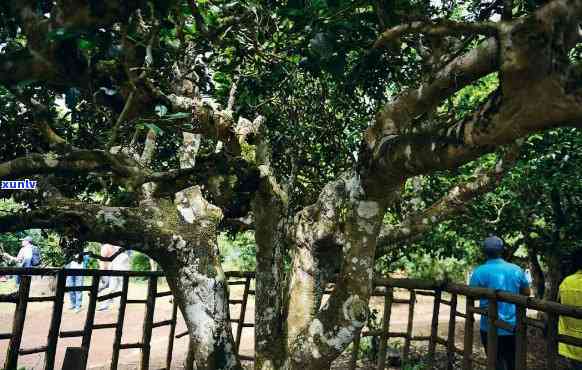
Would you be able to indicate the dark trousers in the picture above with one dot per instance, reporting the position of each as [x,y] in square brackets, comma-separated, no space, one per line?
[505,350]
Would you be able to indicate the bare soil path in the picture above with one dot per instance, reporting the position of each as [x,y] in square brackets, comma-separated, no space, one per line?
[38,318]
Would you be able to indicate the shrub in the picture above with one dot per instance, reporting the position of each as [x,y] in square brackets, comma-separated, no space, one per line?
[238,253]
[140,262]
[434,267]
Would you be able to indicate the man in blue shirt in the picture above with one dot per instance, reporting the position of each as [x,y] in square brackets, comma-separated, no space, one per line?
[498,274]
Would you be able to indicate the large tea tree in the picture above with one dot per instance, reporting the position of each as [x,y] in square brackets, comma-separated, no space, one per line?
[154,153]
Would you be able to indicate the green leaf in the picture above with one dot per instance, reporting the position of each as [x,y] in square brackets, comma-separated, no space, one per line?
[85,44]
[154,128]
[178,115]
[161,110]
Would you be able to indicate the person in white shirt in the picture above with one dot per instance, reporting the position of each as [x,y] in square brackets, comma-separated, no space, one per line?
[75,297]
[24,256]
[119,263]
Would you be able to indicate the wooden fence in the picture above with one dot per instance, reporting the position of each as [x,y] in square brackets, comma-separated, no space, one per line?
[238,278]
[385,288]
[22,297]
[382,287]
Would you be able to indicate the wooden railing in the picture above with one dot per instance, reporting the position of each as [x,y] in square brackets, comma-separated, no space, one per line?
[22,297]
[382,287]
[385,288]
[238,278]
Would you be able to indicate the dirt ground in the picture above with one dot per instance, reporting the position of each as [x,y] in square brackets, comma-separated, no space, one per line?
[38,318]
[536,359]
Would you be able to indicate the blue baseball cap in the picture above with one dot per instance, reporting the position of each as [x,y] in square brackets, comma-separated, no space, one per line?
[493,244]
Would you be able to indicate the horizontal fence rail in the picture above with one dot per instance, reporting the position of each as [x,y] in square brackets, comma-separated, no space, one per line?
[383,287]
[22,297]
[75,272]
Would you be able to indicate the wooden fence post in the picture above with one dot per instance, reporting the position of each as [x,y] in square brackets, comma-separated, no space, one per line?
[120,321]
[148,322]
[172,333]
[243,308]
[388,297]
[411,303]
[75,357]
[18,323]
[492,335]
[451,334]
[434,326]
[520,339]
[53,335]
[552,341]
[468,342]
[88,329]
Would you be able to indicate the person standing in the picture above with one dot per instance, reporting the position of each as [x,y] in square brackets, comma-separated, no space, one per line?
[119,263]
[24,256]
[76,297]
[107,251]
[498,274]
[27,255]
[570,293]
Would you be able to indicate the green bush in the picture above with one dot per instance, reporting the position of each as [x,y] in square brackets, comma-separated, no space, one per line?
[140,262]
[48,243]
[369,346]
[424,266]
[51,252]
[96,249]
[238,253]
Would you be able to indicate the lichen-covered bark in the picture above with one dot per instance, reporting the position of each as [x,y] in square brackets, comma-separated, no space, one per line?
[344,209]
[200,289]
[314,231]
[194,273]
[270,211]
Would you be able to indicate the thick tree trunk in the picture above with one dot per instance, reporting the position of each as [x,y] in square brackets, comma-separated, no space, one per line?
[269,209]
[194,273]
[203,300]
[346,212]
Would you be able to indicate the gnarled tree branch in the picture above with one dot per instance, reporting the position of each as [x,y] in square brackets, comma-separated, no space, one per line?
[545,104]
[397,116]
[439,28]
[74,163]
[452,203]
[91,222]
